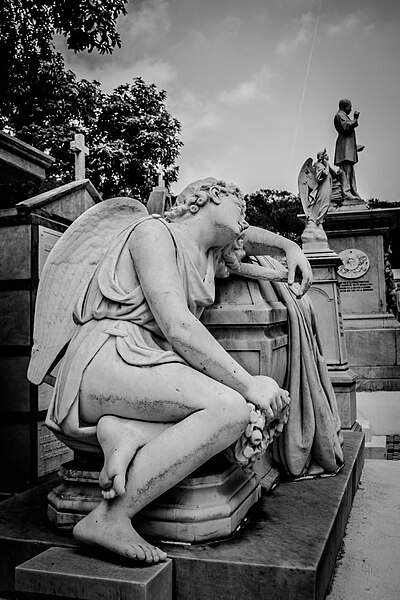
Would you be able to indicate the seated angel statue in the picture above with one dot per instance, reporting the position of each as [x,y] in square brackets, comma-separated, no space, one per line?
[121,294]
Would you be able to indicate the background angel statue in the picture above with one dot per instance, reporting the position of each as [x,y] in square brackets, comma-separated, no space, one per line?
[315,190]
[141,379]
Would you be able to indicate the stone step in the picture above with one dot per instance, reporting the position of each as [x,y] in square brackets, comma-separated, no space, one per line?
[72,573]
[285,550]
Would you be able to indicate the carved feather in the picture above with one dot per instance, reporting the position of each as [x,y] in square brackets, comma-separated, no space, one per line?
[67,271]
[306,183]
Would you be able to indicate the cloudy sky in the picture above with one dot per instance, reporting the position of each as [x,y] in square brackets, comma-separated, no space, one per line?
[255,83]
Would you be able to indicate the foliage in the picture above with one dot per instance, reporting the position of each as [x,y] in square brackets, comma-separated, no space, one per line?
[133,134]
[129,132]
[377,203]
[277,211]
[26,42]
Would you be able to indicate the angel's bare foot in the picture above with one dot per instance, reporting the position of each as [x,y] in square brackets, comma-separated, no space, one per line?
[116,535]
[119,440]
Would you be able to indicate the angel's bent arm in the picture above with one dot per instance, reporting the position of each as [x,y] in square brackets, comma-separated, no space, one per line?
[154,257]
[258,242]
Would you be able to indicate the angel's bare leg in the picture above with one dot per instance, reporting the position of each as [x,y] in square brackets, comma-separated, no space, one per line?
[210,417]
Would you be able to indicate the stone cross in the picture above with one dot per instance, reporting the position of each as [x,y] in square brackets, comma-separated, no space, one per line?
[160,170]
[78,146]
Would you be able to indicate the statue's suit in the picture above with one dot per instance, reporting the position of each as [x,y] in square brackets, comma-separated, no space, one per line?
[346,152]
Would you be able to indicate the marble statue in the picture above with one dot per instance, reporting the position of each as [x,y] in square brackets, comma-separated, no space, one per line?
[346,150]
[315,190]
[142,378]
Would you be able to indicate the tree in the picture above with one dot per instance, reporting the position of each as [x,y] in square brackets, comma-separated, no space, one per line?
[277,211]
[134,133]
[26,41]
[129,132]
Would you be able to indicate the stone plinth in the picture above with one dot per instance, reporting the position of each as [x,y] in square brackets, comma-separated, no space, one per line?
[286,550]
[325,295]
[72,573]
[208,505]
[372,333]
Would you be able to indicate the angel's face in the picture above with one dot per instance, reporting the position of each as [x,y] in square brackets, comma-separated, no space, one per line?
[231,213]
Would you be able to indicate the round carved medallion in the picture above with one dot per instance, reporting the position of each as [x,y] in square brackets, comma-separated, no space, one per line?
[355,263]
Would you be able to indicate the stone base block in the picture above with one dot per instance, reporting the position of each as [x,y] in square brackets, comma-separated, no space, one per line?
[344,385]
[286,550]
[71,573]
[376,448]
[373,344]
[208,505]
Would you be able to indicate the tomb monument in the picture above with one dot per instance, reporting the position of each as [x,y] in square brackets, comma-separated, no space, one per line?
[28,232]
[315,183]
[251,430]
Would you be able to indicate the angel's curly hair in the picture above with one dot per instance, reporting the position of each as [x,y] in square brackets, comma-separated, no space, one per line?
[197,194]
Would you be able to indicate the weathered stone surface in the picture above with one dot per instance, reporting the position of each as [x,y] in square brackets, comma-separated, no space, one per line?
[19,160]
[15,327]
[15,264]
[344,384]
[327,301]
[286,550]
[371,331]
[26,237]
[72,573]
[209,504]
[67,201]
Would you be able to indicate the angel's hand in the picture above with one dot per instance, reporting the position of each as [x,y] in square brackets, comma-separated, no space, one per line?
[233,256]
[296,261]
[265,393]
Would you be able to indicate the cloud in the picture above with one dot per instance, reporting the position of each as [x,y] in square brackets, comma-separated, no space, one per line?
[150,69]
[343,27]
[194,168]
[145,24]
[301,34]
[231,24]
[254,88]
[197,114]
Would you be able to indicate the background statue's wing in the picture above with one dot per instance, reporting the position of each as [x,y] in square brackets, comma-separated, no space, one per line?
[306,182]
[67,271]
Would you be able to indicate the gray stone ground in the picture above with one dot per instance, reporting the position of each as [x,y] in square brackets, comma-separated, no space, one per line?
[369,566]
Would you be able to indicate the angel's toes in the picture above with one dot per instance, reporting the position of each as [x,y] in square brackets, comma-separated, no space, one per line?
[161,555]
[108,494]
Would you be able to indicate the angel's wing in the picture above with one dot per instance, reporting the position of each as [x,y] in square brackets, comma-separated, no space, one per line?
[67,271]
[306,182]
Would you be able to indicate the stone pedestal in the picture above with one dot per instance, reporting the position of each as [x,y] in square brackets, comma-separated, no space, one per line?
[210,504]
[372,333]
[326,298]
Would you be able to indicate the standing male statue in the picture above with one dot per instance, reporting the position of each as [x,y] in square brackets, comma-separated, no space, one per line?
[346,151]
